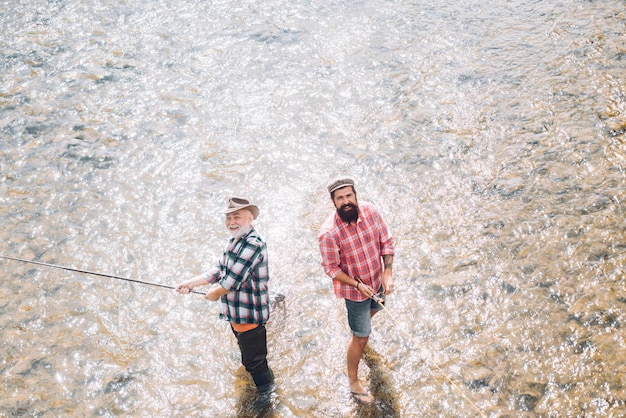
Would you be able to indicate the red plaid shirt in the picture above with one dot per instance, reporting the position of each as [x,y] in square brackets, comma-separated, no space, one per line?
[355,249]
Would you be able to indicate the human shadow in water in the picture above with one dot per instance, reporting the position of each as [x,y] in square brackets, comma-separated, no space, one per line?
[385,404]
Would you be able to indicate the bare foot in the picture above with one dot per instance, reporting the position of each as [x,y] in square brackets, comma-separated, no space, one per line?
[359,393]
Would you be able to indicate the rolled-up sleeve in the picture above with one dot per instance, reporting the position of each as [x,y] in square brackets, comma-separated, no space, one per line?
[387,246]
[329,251]
[242,265]
[213,274]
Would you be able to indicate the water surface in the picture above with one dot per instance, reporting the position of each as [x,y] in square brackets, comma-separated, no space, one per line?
[490,135]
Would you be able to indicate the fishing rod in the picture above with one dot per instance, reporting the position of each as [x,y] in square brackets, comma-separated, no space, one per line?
[93,273]
[377,299]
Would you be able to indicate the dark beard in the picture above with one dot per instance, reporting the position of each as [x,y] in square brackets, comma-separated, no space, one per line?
[348,213]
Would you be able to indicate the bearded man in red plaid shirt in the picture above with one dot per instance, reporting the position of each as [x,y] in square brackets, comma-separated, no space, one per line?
[357,253]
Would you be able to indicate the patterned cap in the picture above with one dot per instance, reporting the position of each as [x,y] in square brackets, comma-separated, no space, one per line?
[338,184]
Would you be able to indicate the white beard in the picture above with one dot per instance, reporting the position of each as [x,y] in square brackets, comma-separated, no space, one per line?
[240,232]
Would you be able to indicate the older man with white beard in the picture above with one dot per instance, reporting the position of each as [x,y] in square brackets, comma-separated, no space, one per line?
[240,281]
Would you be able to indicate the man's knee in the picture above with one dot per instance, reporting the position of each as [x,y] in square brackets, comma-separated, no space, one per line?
[360,341]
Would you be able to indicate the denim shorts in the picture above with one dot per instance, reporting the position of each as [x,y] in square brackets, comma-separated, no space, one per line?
[359,315]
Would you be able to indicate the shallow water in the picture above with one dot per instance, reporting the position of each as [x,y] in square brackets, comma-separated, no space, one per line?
[491,136]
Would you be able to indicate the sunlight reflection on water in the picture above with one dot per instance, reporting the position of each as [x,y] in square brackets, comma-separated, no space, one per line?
[490,136]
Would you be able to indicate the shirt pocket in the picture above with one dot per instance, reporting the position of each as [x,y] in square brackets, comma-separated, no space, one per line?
[368,237]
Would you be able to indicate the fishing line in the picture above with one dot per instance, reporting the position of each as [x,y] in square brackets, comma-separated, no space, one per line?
[56,266]
[376,299]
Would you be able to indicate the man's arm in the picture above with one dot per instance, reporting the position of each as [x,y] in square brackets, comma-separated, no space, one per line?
[388,261]
[215,293]
[330,257]
[365,290]
[388,284]
[188,285]
[247,259]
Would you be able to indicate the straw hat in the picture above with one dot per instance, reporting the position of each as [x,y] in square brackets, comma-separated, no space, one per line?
[237,203]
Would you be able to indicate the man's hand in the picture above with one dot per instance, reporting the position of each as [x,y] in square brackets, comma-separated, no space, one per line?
[188,285]
[388,284]
[215,293]
[366,290]
[185,287]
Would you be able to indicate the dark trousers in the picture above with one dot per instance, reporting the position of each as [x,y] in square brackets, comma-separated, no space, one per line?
[253,346]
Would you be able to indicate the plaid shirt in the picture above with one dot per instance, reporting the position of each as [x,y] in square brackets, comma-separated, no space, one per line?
[355,249]
[243,271]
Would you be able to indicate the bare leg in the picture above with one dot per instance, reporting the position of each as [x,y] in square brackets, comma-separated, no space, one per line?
[355,351]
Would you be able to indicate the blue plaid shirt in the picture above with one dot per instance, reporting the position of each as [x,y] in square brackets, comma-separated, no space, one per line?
[243,271]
